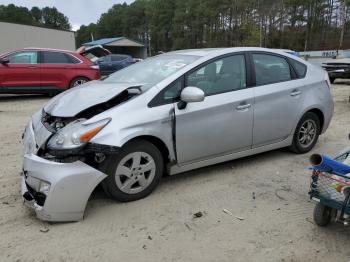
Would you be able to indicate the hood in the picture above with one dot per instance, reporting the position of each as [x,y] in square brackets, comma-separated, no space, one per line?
[73,101]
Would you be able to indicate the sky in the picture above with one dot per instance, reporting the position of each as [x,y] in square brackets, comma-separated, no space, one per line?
[79,12]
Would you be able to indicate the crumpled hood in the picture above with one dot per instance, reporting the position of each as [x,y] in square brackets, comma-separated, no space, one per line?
[75,100]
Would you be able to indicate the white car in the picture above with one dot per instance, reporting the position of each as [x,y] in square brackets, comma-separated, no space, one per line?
[168,114]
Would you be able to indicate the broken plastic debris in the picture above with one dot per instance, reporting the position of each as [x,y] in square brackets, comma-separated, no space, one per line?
[198,214]
[230,213]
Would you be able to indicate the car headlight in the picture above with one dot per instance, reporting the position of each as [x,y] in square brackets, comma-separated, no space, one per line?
[76,134]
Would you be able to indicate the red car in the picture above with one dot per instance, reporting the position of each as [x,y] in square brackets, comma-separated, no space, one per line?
[50,71]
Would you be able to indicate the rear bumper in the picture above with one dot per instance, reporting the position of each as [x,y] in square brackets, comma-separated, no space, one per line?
[71,185]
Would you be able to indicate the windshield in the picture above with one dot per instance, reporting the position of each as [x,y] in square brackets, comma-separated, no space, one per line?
[152,70]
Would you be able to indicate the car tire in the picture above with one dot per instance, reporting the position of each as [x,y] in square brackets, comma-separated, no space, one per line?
[134,173]
[332,79]
[306,133]
[78,81]
[322,215]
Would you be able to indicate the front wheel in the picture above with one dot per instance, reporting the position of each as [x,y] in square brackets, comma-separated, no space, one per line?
[306,134]
[134,173]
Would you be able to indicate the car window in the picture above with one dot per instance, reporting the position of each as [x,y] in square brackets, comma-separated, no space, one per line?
[223,75]
[170,94]
[55,58]
[152,70]
[270,69]
[299,68]
[24,57]
[72,59]
[117,58]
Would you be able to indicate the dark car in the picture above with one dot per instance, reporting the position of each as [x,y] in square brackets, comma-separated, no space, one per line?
[339,68]
[47,71]
[113,62]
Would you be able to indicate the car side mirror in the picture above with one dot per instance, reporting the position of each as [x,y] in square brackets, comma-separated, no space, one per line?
[192,94]
[4,61]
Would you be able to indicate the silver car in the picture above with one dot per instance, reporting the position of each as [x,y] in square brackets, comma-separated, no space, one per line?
[168,114]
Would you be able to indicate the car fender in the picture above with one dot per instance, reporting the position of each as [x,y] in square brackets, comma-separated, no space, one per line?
[322,101]
[132,120]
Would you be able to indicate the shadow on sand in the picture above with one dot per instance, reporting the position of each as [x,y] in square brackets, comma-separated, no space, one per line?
[14,98]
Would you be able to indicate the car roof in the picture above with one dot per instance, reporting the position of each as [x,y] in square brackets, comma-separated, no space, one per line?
[43,49]
[210,51]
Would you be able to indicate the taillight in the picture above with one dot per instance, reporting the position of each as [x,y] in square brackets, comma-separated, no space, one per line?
[96,67]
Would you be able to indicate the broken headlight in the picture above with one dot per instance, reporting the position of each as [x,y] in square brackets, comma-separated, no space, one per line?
[75,134]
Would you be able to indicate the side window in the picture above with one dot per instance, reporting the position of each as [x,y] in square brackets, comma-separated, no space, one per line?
[224,75]
[168,95]
[299,68]
[172,92]
[25,57]
[54,58]
[72,59]
[270,69]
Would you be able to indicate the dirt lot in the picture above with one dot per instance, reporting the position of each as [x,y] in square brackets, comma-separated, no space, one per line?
[277,225]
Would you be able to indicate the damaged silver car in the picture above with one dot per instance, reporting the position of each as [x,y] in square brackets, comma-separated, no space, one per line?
[168,114]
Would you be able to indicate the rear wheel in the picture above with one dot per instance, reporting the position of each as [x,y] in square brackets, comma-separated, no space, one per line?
[322,215]
[306,134]
[332,79]
[78,81]
[134,173]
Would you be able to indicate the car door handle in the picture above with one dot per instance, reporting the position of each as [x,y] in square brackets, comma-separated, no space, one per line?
[243,107]
[295,93]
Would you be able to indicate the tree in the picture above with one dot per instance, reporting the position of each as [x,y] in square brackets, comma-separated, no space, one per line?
[53,18]
[47,16]
[36,14]
[178,24]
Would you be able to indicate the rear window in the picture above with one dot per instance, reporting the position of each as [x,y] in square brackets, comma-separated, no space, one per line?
[55,58]
[299,68]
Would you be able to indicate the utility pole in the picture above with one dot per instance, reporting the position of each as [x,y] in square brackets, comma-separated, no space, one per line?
[261,23]
[343,22]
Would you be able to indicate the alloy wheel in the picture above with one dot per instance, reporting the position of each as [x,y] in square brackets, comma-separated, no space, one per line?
[135,172]
[307,133]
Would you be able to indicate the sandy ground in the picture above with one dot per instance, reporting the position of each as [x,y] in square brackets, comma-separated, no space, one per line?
[277,225]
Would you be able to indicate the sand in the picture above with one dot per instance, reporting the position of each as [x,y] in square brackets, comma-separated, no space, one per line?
[277,225]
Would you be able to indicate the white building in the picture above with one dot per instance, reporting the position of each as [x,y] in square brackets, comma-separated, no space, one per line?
[15,36]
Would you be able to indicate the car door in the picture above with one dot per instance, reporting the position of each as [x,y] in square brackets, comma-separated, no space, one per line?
[223,122]
[21,72]
[56,68]
[106,65]
[278,96]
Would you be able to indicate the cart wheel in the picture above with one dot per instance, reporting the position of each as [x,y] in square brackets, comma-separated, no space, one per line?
[322,215]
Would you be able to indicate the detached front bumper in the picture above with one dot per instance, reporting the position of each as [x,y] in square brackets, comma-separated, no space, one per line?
[70,186]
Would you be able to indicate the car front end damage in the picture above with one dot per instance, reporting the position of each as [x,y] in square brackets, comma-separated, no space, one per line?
[61,165]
